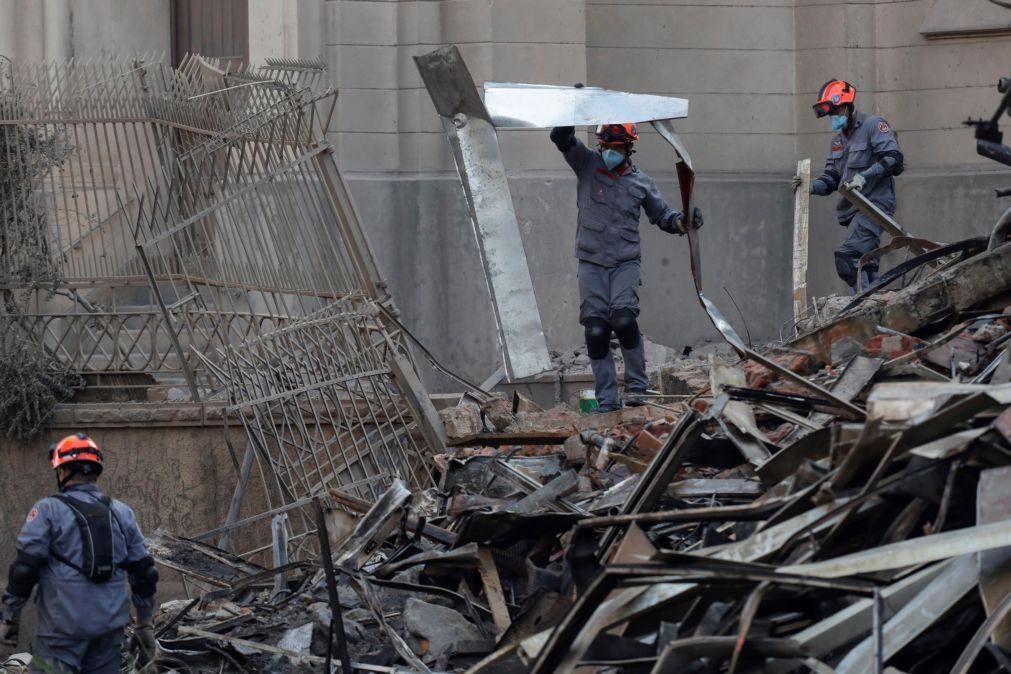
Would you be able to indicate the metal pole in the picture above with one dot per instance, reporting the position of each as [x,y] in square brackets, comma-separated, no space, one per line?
[187,370]
[336,619]
[225,542]
[879,641]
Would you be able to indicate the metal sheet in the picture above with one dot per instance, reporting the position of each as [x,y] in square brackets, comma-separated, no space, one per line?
[541,106]
[855,620]
[993,504]
[957,579]
[911,552]
[686,183]
[738,413]
[479,162]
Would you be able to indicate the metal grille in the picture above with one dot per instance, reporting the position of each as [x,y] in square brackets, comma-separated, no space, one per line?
[212,202]
[320,401]
[76,139]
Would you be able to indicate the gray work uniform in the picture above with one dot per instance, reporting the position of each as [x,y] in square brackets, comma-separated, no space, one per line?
[609,253]
[80,622]
[871,139]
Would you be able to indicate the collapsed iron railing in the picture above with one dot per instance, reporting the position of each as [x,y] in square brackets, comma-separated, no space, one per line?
[75,138]
[199,231]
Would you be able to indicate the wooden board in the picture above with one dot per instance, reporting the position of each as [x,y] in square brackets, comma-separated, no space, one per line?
[801,212]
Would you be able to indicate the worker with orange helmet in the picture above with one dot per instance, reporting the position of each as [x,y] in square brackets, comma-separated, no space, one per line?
[611,191]
[79,547]
[864,155]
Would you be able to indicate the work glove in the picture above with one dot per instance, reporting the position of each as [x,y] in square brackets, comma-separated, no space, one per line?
[675,225]
[144,641]
[9,633]
[681,222]
[697,218]
[795,183]
[857,182]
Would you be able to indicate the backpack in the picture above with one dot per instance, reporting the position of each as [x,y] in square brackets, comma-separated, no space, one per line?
[94,521]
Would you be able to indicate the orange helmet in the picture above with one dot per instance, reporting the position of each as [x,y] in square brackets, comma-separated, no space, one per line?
[833,94]
[75,448]
[617,134]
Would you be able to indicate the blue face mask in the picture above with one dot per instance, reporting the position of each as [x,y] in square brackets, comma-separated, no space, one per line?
[612,158]
[839,122]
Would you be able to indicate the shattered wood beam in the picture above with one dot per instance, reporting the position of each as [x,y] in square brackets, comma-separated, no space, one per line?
[801,211]
[479,161]
[493,590]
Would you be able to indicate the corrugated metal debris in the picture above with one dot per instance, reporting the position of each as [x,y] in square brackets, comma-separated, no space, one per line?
[837,503]
[752,528]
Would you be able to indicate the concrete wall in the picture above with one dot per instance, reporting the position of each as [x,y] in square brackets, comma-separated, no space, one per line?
[750,69]
[391,144]
[167,462]
[925,87]
[61,29]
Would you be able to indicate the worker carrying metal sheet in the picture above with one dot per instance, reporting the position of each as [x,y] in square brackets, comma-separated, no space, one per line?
[80,547]
[864,155]
[611,191]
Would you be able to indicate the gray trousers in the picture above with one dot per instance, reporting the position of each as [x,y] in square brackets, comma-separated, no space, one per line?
[602,290]
[100,655]
[862,236]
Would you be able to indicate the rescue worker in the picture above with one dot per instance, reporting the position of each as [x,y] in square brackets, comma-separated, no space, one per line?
[80,547]
[611,190]
[864,155]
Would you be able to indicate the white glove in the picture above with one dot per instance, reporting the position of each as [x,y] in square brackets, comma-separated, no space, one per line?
[857,182]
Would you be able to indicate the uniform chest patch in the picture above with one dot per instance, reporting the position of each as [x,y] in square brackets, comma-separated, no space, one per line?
[33,514]
[883,127]
[837,146]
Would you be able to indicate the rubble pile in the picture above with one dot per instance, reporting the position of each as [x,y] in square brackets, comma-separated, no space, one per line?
[841,506]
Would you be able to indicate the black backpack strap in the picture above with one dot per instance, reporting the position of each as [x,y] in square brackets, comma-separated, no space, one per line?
[94,522]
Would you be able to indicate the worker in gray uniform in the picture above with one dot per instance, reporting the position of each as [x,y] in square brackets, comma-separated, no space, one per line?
[611,191]
[80,547]
[865,156]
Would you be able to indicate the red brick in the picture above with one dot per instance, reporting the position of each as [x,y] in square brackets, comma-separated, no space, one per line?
[892,346]
[701,405]
[780,433]
[647,441]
